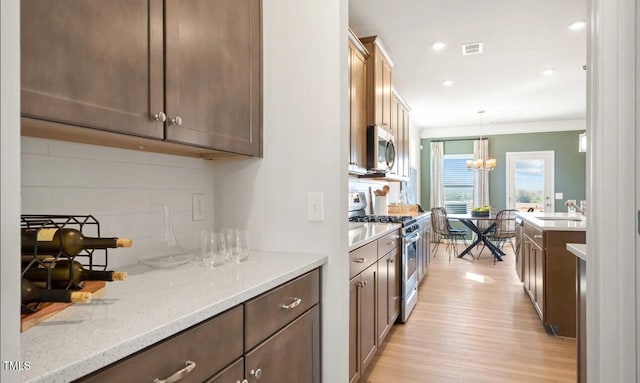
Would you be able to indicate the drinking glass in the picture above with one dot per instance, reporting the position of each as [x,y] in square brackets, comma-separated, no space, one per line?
[212,248]
[237,244]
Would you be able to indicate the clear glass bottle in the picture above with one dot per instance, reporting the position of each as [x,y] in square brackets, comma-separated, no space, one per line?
[166,249]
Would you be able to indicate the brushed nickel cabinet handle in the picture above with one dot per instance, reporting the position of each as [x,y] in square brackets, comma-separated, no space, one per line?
[256,373]
[243,381]
[537,236]
[189,366]
[360,260]
[296,302]
[160,117]
[177,121]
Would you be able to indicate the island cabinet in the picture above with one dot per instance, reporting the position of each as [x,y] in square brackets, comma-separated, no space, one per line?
[549,275]
[374,300]
[159,72]
[423,258]
[358,56]
[274,337]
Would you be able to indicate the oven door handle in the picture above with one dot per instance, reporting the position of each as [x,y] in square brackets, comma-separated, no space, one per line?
[411,239]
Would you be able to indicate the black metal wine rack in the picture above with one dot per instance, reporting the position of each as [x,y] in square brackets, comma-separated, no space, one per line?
[91,259]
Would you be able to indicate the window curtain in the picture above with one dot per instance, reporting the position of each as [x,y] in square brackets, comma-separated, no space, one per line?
[437,187]
[481,177]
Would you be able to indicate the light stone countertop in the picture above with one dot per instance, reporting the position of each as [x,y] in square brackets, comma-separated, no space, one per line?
[362,233]
[579,249]
[556,221]
[151,305]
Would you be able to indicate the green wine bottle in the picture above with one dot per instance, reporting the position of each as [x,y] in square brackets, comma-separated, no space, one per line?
[69,242]
[32,293]
[63,272]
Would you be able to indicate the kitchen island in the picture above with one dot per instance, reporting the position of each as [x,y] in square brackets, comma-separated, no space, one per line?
[150,306]
[549,269]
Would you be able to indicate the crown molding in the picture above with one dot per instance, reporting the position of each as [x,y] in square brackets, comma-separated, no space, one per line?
[495,129]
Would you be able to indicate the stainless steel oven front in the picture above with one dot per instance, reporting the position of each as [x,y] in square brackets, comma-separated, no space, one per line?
[409,274]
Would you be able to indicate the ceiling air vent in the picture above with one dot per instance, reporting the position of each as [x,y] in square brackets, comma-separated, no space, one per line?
[471,49]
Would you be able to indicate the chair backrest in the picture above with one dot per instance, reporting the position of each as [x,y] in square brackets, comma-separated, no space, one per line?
[506,223]
[439,221]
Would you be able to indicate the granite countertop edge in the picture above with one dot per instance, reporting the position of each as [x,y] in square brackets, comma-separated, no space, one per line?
[578,249]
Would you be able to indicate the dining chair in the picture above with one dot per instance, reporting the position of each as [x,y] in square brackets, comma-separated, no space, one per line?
[505,229]
[441,226]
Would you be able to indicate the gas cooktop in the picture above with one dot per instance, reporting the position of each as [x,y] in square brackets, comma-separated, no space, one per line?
[381,218]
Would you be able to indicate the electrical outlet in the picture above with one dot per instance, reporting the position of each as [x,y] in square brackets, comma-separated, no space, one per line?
[197,206]
[559,196]
[315,206]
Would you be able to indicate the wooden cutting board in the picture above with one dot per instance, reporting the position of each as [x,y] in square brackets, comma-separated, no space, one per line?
[47,310]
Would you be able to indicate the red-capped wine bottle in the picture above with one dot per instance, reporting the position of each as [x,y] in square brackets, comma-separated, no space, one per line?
[64,272]
[32,293]
[52,241]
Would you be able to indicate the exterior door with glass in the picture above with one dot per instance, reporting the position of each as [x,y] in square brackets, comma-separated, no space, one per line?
[530,181]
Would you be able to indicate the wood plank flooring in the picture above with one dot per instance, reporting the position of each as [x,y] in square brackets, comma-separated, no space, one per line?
[473,323]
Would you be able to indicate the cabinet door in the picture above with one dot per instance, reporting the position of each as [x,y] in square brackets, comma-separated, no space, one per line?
[291,355]
[405,144]
[96,64]
[214,75]
[354,335]
[386,91]
[233,373]
[358,99]
[393,127]
[383,293]
[393,279]
[538,253]
[368,333]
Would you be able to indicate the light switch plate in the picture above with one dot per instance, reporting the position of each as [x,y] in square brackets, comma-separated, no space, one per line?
[315,206]
[197,206]
[559,196]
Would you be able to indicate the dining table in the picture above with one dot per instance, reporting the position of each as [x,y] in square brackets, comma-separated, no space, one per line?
[481,235]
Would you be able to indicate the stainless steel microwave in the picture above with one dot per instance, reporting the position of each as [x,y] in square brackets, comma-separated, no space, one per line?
[381,149]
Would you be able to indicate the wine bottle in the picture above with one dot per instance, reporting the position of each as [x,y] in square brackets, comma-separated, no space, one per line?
[63,272]
[32,293]
[51,241]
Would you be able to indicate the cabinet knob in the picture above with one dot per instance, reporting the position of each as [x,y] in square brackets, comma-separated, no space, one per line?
[160,116]
[256,373]
[243,381]
[177,121]
[391,260]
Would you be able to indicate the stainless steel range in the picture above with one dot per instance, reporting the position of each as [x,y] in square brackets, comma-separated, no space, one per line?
[409,236]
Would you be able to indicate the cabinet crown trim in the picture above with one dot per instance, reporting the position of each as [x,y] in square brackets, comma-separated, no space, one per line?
[358,44]
[375,40]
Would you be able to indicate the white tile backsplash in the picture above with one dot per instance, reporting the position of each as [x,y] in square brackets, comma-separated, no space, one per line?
[46,170]
[123,189]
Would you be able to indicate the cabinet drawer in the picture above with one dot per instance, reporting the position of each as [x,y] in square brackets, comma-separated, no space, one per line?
[361,258]
[211,345]
[387,243]
[534,234]
[233,373]
[271,311]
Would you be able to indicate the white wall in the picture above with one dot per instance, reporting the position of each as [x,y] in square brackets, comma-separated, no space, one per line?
[515,128]
[305,150]
[123,189]
[9,184]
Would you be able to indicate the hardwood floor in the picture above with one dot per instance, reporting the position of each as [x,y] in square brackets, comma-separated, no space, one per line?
[473,323]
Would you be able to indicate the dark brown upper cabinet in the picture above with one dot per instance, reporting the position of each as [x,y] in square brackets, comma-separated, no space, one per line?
[162,72]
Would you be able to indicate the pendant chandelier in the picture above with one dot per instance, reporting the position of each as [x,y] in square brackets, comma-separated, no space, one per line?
[481,164]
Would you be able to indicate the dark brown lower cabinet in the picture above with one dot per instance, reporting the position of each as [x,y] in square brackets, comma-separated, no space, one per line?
[549,275]
[291,355]
[363,336]
[211,345]
[290,351]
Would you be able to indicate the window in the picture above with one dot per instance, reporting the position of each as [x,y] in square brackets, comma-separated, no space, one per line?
[458,183]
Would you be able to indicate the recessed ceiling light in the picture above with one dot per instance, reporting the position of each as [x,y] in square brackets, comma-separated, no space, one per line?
[576,25]
[447,83]
[548,72]
[438,46]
